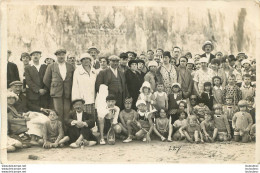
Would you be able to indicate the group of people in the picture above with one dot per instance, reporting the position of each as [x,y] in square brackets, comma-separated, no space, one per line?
[205,98]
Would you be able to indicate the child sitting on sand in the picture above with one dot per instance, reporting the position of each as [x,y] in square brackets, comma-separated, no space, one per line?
[127,117]
[53,134]
[162,127]
[242,122]
[208,127]
[144,121]
[221,123]
[192,131]
[200,109]
[182,121]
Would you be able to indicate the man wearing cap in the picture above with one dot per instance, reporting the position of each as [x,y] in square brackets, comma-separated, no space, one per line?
[241,56]
[208,48]
[22,105]
[37,91]
[123,62]
[93,51]
[83,86]
[12,70]
[114,79]
[79,125]
[131,55]
[58,79]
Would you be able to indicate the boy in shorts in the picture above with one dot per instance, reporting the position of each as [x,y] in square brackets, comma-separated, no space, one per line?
[109,117]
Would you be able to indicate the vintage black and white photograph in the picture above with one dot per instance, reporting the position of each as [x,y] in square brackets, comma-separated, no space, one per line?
[129,81]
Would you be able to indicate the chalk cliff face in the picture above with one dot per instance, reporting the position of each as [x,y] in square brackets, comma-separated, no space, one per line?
[117,29]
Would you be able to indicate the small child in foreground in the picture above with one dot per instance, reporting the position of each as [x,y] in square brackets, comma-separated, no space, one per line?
[192,131]
[242,122]
[182,121]
[208,127]
[53,134]
[127,116]
[221,123]
[162,127]
[201,109]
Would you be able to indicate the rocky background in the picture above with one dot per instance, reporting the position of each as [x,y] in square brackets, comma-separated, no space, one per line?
[115,29]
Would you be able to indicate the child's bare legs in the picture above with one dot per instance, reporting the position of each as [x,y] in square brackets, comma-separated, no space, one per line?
[188,137]
[215,133]
[124,130]
[117,128]
[11,148]
[63,140]
[170,133]
[140,134]
[196,136]
[245,137]
[129,128]
[176,136]
[101,122]
[158,134]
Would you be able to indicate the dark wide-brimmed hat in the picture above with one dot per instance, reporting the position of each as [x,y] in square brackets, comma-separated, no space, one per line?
[135,55]
[140,61]
[131,62]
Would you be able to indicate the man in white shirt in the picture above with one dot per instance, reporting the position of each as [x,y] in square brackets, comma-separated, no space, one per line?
[79,126]
[58,79]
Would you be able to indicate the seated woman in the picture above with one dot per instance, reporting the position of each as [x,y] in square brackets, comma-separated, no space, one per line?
[30,122]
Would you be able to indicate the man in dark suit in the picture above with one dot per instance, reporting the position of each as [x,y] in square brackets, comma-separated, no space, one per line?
[36,92]
[22,105]
[115,80]
[79,126]
[208,48]
[58,79]
[93,51]
[12,70]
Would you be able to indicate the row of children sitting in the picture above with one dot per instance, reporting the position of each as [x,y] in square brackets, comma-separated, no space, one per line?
[153,108]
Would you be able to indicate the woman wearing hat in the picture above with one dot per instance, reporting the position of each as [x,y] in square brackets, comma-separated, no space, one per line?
[132,81]
[184,77]
[25,58]
[83,86]
[150,76]
[166,73]
[208,48]
[201,76]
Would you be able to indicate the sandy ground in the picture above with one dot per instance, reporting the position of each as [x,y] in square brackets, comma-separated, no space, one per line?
[140,152]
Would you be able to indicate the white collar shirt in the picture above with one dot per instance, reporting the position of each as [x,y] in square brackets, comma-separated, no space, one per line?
[63,70]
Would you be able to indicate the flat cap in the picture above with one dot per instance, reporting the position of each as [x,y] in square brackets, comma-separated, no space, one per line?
[35,52]
[17,82]
[93,48]
[78,100]
[60,51]
[114,57]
